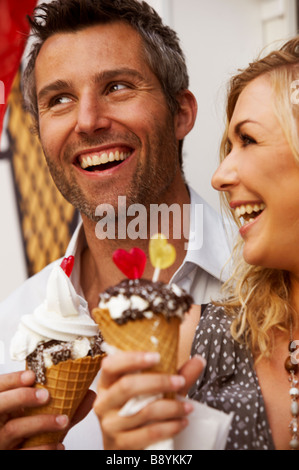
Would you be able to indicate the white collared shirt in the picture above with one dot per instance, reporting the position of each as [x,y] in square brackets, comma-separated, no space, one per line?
[201,274]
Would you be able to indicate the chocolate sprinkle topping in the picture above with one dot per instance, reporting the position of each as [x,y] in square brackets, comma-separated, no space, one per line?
[59,351]
[161,298]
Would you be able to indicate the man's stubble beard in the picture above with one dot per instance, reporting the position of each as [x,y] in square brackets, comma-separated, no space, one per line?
[150,182]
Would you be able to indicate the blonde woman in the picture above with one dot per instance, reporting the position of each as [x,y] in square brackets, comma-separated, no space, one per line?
[245,339]
[249,339]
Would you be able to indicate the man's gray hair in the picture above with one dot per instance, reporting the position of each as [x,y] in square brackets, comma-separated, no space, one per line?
[161,44]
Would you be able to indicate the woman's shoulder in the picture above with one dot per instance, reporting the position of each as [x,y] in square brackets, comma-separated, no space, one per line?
[215,318]
[213,339]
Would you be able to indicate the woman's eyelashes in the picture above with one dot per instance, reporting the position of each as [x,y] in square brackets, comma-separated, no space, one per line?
[246,140]
[243,138]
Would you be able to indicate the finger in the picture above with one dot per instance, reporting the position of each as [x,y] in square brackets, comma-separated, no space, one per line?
[191,370]
[130,386]
[16,379]
[58,446]
[162,410]
[143,437]
[16,430]
[84,407]
[17,399]
[159,410]
[125,362]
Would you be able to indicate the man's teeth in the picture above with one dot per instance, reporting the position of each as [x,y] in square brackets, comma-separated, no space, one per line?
[246,210]
[94,160]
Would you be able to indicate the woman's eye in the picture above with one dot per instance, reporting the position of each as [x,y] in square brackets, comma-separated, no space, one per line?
[247,140]
[228,147]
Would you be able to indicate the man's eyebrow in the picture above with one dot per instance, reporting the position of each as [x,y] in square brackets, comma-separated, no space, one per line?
[115,73]
[58,85]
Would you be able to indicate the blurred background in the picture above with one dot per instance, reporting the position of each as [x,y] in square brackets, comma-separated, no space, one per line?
[218,38]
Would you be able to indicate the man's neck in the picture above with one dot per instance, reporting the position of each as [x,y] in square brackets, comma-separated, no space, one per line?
[98,272]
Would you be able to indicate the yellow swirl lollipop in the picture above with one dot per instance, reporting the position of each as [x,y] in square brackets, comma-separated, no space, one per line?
[162,254]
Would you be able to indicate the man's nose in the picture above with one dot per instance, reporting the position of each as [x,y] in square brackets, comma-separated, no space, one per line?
[226,175]
[91,114]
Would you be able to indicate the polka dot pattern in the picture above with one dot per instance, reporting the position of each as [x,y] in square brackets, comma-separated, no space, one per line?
[229,382]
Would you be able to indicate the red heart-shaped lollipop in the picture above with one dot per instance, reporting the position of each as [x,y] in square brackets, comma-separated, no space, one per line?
[131,263]
[67,265]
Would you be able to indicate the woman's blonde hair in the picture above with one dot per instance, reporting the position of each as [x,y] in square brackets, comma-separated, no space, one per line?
[258,297]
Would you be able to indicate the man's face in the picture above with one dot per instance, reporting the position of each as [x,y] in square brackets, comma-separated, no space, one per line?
[104,123]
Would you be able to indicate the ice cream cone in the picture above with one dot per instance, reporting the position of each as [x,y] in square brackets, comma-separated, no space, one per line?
[67,383]
[156,334]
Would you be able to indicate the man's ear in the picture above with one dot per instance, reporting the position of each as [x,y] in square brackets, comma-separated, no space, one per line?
[186,114]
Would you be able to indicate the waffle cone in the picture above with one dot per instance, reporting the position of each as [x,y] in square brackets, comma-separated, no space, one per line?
[67,383]
[156,334]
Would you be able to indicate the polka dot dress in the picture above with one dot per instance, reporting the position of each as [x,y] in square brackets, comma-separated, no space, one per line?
[229,382]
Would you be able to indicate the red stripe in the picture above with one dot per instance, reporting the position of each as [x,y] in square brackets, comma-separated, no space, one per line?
[14,30]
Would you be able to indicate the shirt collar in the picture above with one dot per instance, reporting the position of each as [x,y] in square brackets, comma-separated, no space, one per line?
[75,248]
[209,245]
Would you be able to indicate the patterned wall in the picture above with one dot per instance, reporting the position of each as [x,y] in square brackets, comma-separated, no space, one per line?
[47,220]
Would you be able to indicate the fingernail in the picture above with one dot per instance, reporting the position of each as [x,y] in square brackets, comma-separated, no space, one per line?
[184,422]
[201,359]
[27,377]
[178,381]
[42,395]
[152,357]
[188,407]
[62,420]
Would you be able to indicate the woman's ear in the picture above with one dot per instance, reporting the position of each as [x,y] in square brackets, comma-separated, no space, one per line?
[186,114]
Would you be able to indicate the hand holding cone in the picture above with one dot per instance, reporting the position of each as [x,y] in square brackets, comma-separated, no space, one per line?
[67,383]
[67,380]
[148,329]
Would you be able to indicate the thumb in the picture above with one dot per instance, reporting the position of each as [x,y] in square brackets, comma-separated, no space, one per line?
[191,370]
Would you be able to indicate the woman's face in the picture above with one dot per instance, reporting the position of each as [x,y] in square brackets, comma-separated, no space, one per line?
[262,180]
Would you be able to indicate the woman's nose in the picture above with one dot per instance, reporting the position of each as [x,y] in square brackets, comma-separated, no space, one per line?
[226,175]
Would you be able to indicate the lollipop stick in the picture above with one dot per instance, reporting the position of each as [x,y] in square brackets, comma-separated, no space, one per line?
[156,274]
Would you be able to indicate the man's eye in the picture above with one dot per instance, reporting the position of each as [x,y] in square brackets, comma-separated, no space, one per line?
[117,87]
[60,100]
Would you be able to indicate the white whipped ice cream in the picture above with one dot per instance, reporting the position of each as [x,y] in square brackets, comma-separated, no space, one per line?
[118,304]
[63,316]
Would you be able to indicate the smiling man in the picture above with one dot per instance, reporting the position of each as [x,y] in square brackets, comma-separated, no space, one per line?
[107,85]
[110,119]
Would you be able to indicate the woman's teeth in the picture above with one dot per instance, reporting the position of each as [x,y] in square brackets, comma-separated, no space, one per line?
[249,211]
[88,161]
